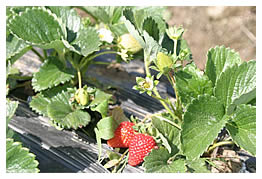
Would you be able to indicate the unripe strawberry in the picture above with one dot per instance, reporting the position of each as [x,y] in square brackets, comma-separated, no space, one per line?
[140,146]
[82,96]
[129,43]
[123,135]
[163,61]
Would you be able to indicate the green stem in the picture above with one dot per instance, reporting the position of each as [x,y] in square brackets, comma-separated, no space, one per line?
[119,160]
[175,46]
[45,53]
[171,105]
[17,77]
[164,104]
[101,63]
[149,116]
[79,78]
[159,98]
[170,122]
[157,95]
[85,60]
[220,144]
[38,54]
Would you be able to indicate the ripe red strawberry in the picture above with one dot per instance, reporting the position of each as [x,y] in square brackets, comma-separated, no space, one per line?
[123,135]
[140,146]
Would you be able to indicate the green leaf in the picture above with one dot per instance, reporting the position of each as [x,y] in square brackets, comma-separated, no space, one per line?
[151,46]
[100,97]
[107,127]
[15,48]
[102,108]
[111,163]
[11,107]
[70,19]
[115,13]
[158,162]
[86,42]
[40,101]
[151,27]
[202,122]
[37,26]
[51,73]
[118,115]
[170,132]
[39,104]
[242,127]
[182,45]
[99,13]
[237,85]
[118,29]
[19,159]
[138,15]
[218,59]
[198,166]
[61,111]
[133,31]
[99,143]
[191,82]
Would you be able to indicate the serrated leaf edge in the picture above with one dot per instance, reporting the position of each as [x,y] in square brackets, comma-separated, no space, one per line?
[224,71]
[192,101]
[220,47]
[38,89]
[36,110]
[44,10]
[20,148]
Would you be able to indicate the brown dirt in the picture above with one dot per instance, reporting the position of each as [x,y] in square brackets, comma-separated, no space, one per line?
[208,26]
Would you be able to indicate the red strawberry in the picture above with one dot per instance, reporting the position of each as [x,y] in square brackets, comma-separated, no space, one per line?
[123,135]
[140,146]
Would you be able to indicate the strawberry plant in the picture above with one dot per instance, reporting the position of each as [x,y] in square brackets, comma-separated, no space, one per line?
[69,44]
[208,109]
[220,98]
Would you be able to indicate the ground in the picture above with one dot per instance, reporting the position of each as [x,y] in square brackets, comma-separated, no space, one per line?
[206,27]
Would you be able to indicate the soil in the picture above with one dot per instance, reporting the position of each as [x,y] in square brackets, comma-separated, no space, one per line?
[208,26]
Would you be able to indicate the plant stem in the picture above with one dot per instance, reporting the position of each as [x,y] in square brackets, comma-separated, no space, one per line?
[170,122]
[85,60]
[146,61]
[175,46]
[101,63]
[45,53]
[173,82]
[119,160]
[38,54]
[17,77]
[79,78]
[158,98]
[149,116]
[157,95]
[220,144]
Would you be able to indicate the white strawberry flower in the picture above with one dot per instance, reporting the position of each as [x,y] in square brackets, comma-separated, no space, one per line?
[148,84]
[105,35]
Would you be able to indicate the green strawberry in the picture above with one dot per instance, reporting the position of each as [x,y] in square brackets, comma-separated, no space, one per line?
[82,96]
[140,146]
